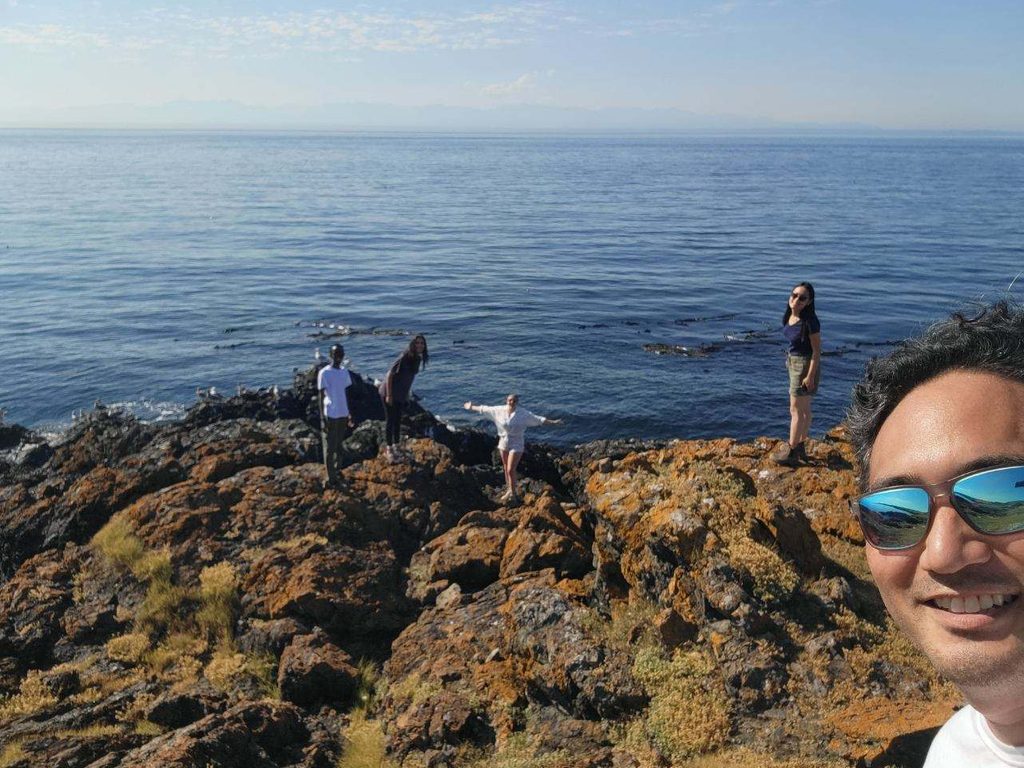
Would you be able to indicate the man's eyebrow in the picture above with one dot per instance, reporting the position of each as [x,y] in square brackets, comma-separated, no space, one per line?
[982,462]
[893,481]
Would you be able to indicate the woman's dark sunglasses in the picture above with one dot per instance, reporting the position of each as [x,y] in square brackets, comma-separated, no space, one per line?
[800,296]
[991,501]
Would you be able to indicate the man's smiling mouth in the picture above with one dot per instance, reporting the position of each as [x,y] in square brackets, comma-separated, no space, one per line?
[973,603]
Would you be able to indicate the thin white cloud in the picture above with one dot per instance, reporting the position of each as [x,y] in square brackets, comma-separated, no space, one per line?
[49,36]
[514,87]
[315,31]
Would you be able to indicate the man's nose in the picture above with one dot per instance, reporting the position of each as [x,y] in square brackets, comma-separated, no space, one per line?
[951,543]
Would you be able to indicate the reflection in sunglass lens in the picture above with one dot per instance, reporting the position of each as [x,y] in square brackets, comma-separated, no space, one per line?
[895,518]
[993,501]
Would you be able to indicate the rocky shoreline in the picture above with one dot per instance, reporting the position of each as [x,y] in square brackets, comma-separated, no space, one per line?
[186,594]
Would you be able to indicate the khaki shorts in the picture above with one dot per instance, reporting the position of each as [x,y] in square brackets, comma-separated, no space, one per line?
[798,367]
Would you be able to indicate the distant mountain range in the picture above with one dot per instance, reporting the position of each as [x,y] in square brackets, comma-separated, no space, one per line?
[230,114]
[367,116]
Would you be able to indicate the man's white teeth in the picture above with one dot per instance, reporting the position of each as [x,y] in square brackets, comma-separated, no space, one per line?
[972,603]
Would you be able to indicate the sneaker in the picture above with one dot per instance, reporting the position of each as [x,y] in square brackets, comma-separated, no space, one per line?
[507,495]
[800,452]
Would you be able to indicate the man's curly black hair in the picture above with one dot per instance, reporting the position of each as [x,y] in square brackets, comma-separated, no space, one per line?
[990,340]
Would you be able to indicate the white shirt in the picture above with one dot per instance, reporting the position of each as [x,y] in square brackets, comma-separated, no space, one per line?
[511,427]
[333,382]
[966,741]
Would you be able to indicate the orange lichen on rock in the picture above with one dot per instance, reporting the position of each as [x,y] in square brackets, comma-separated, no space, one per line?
[646,604]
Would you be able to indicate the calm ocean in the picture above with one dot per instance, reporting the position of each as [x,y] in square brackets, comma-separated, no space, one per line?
[138,266]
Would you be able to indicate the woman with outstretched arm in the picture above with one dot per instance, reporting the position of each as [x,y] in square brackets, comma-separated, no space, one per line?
[512,423]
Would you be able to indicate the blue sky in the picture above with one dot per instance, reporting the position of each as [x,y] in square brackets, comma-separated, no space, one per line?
[908,65]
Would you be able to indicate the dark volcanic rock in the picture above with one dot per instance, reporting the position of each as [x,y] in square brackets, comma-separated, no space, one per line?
[11,435]
[249,735]
[645,603]
[314,670]
[176,710]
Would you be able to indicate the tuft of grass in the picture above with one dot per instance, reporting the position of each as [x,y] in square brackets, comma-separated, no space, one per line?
[32,697]
[117,542]
[162,608]
[224,668]
[148,728]
[365,743]
[154,566]
[263,667]
[368,686]
[130,648]
[690,712]
[12,754]
[218,597]
[89,733]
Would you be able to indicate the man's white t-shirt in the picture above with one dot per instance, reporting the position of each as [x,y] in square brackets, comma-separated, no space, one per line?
[333,381]
[966,740]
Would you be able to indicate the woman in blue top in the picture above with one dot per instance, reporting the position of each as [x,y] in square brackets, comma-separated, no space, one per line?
[802,330]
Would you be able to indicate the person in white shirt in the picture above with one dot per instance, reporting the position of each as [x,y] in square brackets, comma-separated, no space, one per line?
[332,384]
[938,426]
[512,423]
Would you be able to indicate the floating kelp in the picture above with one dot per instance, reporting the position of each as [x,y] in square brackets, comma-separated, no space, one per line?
[708,319]
[702,350]
[337,330]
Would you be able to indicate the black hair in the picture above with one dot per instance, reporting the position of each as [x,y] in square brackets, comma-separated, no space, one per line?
[991,340]
[410,352]
[807,313]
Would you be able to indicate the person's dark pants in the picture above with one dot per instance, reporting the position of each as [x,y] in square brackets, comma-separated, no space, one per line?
[337,431]
[393,425]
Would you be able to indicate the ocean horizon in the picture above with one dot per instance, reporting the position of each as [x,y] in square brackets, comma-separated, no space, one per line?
[138,266]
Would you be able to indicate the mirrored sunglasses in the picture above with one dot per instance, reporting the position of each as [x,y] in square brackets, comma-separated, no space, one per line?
[991,501]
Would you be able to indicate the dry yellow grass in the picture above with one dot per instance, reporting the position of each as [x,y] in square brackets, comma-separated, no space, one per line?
[32,697]
[163,608]
[154,566]
[89,733]
[130,648]
[12,754]
[364,743]
[146,728]
[218,596]
[117,542]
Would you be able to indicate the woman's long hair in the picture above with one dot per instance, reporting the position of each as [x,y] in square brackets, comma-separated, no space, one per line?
[410,352]
[806,314]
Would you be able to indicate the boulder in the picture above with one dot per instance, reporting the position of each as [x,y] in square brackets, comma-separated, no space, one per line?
[314,670]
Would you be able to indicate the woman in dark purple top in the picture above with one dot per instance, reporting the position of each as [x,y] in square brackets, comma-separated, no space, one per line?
[801,329]
[396,389]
